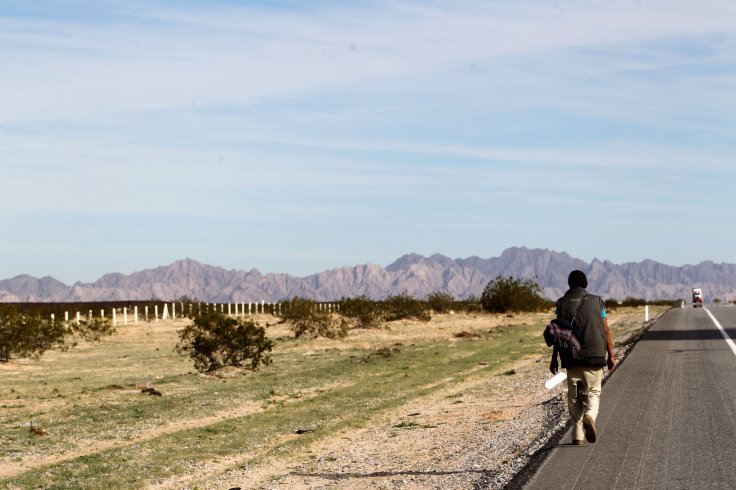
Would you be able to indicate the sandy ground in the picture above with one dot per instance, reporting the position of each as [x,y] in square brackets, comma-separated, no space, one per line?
[459,437]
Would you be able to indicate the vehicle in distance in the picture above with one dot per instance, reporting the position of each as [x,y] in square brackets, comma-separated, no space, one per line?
[697,298]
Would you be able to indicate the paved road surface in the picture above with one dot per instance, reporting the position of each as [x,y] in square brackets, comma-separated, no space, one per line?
[668,415]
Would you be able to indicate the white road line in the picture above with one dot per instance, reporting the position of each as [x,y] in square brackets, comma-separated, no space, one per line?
[723,331]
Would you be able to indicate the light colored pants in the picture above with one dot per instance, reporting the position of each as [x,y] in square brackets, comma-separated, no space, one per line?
[583,395]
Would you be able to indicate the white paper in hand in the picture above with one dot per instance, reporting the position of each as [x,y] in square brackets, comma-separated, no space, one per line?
[555,380]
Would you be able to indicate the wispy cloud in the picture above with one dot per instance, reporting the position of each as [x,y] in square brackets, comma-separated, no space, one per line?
[360,120]
[161,58]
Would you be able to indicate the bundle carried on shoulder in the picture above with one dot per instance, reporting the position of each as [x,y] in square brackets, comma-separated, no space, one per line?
[563,334]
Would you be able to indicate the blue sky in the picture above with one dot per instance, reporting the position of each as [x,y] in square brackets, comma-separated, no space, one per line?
[302,136]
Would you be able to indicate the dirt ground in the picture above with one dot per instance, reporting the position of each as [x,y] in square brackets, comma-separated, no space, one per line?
[452,438]
[454,445]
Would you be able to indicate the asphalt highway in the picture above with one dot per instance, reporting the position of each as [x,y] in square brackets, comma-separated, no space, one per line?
[667,416]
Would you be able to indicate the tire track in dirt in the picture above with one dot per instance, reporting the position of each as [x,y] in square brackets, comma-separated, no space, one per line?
[279,465]
[9,470]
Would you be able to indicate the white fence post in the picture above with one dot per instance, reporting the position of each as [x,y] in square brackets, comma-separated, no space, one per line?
[155,312]
[165,314]
[78,317]
[135,315]
[66,316]
[173,311]
[646,313]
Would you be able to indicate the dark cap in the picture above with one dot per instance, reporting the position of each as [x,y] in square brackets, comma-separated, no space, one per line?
[577,279]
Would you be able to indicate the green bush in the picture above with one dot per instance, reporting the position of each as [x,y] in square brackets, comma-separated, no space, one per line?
[187,307]
[296,309]
[508,294]
[91,330]
[405,306]
[214,340]
[30,335]
[321,325]
[441,302]
[471,304]
[365,312]
[611,304]
[634,302]
[27,335]
[668,302]
[306,319]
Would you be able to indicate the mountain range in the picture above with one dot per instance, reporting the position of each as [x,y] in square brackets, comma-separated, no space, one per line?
[413,274]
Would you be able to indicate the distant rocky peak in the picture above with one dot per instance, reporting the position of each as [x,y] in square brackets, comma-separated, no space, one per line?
[405,262]
[412,273]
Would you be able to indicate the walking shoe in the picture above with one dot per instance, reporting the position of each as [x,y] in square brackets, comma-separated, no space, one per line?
[577,442]
[589,428]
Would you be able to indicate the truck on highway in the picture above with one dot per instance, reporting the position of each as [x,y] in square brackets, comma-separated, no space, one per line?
[697,298]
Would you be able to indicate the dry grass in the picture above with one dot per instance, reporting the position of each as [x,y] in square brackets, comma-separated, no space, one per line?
[93,428]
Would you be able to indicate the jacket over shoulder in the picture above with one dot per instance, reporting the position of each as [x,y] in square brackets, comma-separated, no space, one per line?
[589,321]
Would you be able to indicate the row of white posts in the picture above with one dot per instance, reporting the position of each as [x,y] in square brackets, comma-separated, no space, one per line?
[233,309]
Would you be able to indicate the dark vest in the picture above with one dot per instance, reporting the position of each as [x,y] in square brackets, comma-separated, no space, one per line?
[589,320]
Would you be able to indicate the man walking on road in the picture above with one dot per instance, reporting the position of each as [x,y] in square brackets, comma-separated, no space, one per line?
[585,372]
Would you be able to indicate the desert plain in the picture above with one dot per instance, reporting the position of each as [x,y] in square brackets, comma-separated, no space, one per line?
[456,402]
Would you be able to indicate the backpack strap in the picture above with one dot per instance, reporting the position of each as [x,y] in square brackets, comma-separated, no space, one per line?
[572,322]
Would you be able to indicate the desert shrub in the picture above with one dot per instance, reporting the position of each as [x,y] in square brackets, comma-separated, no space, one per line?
[508,294]
[321,324]
[91,330]
[634,302]
[405,306]
[304,318]
[611,304]
[27,335]
[441,302]
[187,307]
[365,312]
[30,335]
[296,309]
[471,304]
[214,340]
[667,302]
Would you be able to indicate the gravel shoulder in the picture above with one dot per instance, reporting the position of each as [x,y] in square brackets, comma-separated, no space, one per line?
[476,424]
[476,434]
